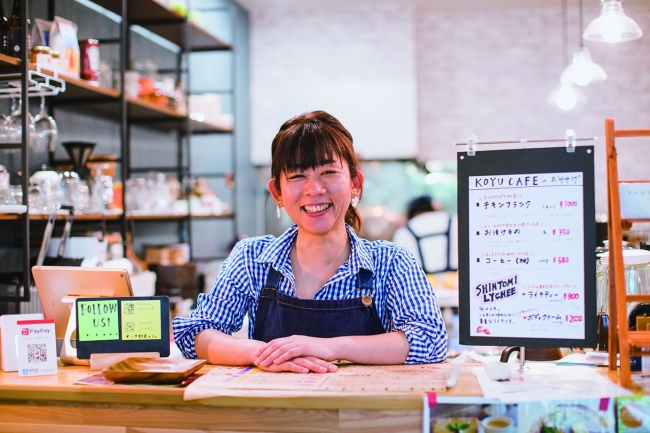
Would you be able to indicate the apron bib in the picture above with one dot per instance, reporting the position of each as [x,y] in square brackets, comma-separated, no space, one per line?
[279,315]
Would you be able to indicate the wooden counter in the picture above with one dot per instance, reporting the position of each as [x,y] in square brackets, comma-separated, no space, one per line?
[54,404]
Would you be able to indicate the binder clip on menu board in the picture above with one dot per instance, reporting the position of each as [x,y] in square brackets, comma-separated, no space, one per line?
[570,136]
[471,145]
[570,139]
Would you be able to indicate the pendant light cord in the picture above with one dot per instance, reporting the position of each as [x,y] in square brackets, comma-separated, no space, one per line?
[565,38]
[580,29]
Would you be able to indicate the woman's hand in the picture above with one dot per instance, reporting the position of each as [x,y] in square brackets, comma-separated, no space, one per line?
[282,350]
[301,365]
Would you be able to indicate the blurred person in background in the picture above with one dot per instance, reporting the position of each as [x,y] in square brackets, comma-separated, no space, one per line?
[431,235]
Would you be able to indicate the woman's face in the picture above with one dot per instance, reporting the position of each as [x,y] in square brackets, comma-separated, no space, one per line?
[317,199]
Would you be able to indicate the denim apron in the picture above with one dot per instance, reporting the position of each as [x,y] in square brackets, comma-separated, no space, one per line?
[279,315]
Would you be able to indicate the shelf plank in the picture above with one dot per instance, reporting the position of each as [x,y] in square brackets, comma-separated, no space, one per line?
[139,109]
[77,217]
[213,216]
[639,338]
[638,298]
[76,88]
[167,23]
[6,61]
[115,217]
[206,127]
[167,217]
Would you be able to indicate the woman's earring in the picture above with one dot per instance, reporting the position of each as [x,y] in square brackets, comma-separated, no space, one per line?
[355,201]
[277,211]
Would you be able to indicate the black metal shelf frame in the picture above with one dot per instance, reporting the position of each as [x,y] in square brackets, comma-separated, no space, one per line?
[190,39]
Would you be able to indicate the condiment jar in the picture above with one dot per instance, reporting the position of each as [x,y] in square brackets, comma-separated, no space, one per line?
[42,57]
[636,265]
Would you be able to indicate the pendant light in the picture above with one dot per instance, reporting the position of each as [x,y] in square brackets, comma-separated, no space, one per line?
[582,70]
[612,25]
[565,96]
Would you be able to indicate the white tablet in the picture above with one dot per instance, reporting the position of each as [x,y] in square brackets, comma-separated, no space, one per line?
[55,282]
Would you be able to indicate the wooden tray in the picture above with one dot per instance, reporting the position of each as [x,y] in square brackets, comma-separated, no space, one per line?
[152,370]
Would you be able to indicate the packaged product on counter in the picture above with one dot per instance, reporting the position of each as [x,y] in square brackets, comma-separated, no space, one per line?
[89,53]
[41,32]
[63,38]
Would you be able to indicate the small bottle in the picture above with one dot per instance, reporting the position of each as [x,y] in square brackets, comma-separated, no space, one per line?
[3,30]
[15,31]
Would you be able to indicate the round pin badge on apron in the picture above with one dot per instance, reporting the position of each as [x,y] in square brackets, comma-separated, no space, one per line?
[366,300]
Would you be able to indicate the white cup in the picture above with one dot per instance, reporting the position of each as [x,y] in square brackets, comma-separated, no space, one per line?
[498,424]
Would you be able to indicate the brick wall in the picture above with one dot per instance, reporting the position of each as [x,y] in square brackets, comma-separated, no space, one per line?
[490,72]
[487,72]
[355,60]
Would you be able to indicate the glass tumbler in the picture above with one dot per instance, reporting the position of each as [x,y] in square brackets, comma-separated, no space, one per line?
[16,194]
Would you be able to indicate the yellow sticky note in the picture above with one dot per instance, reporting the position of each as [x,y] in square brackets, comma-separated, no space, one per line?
[141,320]
[97,320]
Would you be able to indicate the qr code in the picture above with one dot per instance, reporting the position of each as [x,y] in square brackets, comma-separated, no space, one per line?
[36,353]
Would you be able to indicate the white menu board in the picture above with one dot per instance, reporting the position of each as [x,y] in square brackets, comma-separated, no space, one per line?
[526,255]
[527,239]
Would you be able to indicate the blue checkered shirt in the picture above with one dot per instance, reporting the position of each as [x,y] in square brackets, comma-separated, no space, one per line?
[403,296]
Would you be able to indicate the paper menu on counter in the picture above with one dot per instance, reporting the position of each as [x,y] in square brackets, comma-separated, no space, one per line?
[548,381]
[349,379]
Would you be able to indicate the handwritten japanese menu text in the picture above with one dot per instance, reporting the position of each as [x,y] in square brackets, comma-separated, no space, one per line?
[526,239]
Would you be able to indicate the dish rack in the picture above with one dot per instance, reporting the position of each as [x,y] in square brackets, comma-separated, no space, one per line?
[40,84]
[621,339]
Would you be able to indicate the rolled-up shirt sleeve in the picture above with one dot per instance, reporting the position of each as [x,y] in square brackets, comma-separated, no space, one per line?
[222,309]
[414,310]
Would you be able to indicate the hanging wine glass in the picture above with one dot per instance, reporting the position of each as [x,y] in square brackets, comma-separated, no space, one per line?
[7,132]
[15,124]
[46,129]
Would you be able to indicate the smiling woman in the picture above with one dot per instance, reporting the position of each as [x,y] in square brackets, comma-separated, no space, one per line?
[318,293]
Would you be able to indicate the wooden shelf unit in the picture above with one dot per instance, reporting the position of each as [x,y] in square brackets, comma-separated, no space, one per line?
[168,24]
[79,94]
[621,339]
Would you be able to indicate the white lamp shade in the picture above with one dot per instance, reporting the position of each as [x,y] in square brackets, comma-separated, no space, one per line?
[566,97]
[612,25]
[582,70]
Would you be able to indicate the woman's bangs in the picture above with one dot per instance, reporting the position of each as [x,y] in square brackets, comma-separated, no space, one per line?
[308,152]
